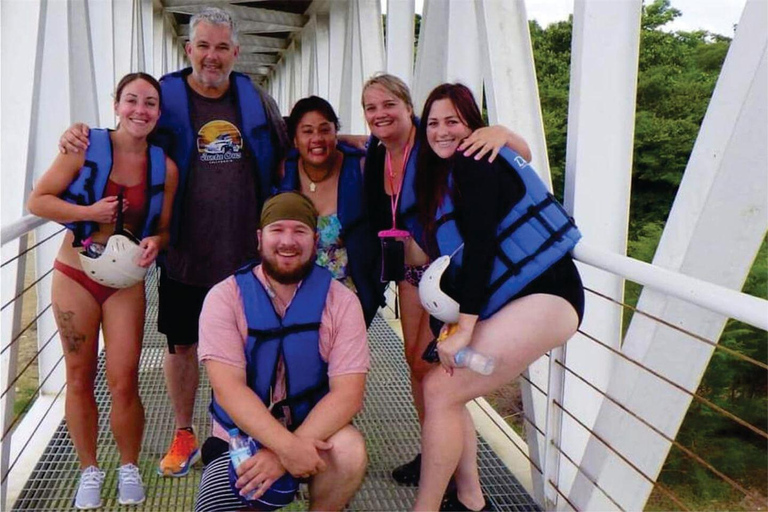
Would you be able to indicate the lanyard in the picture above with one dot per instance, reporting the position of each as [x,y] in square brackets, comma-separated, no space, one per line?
[395,197]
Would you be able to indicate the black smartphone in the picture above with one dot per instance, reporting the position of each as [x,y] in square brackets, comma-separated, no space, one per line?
[392,260]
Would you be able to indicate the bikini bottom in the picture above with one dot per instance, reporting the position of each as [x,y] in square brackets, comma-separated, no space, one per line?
[99,292]
[413,273]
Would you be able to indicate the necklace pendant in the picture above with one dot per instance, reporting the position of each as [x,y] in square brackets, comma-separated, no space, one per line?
[312,186]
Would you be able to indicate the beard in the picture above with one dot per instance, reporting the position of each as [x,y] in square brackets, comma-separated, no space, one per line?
[287,276]
[208,81]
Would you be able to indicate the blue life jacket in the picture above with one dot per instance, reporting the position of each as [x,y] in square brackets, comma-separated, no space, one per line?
[176,135]
[408,205]
[536,233]
[89,186]
[296,337]
[359,239]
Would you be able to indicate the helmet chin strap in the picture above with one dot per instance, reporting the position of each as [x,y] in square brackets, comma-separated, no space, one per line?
[119,230]
[456,251]
[120,220]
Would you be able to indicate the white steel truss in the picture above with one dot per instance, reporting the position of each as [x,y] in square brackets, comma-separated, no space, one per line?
[62,58]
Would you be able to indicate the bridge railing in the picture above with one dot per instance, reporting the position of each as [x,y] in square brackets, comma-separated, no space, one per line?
[563,471]
[30,351]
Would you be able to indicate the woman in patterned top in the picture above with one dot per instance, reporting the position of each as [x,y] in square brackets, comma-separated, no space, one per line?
[330,174]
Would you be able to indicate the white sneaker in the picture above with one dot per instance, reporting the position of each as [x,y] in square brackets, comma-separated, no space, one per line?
[130,488]
[89,491]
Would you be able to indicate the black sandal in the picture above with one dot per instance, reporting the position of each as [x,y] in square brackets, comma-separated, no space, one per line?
[451,503]
[409,473]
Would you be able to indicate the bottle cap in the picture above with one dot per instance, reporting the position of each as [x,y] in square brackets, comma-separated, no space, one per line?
[233,432]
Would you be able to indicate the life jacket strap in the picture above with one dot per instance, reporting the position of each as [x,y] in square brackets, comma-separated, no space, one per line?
[513,269]
[157,188]
[445,218]
[280,332]
[531,212]
[309,395]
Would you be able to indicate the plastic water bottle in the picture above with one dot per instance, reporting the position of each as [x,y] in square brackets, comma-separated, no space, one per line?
[240,450]
[94,250]
[468,358]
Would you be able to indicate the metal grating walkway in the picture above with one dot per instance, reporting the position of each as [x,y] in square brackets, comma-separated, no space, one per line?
[388,423]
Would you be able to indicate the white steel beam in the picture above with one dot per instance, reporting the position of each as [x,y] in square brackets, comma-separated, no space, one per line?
[307,48]
[102,38]
[338,26]
[286,21]
[513,101]
[351,65]
[170,46]
[283,69]
[257,58]
[145,10]
[251,27]
[509,74]
[400,39]
[322,59]
[122,34]
[605,49]
[253,69]
[261,43]
[449,50]
[717,223]
[219,3]
[20,26]
[296,73]
[138,62]
[310,46]
[363,57]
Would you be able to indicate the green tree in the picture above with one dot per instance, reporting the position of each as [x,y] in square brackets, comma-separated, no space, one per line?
[677,74]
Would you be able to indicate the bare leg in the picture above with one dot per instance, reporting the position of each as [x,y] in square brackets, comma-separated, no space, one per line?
[336,486]
[182,376]
[123,328]
[78,317]
[416,337]
[517,335]
[467,476]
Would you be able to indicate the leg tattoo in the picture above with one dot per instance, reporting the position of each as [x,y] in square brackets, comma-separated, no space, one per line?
[69,335]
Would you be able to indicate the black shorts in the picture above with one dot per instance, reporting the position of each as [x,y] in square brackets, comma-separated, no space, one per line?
[561,279]
[179,309]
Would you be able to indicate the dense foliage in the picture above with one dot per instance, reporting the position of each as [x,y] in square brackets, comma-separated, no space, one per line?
[677,74]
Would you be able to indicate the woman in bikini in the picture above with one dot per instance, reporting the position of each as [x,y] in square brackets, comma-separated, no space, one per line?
[81,191]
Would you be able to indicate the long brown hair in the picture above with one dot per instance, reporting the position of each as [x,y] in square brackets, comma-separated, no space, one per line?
[432,171]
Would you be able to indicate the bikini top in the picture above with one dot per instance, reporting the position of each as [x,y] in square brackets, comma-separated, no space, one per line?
[136,195]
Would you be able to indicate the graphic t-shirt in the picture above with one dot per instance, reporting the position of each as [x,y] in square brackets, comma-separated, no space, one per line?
[220,210]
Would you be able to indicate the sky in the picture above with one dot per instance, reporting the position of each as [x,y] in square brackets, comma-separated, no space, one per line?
[718,16]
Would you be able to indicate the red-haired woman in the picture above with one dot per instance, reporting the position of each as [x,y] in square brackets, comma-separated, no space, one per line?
[518,290]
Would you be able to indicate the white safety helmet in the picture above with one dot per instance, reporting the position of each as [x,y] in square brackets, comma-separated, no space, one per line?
[433,298]
[116,267]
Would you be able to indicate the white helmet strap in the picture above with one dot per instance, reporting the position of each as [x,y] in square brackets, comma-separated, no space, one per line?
[456,250]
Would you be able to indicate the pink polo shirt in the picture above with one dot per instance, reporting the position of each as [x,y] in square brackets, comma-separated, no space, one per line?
[224,333]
